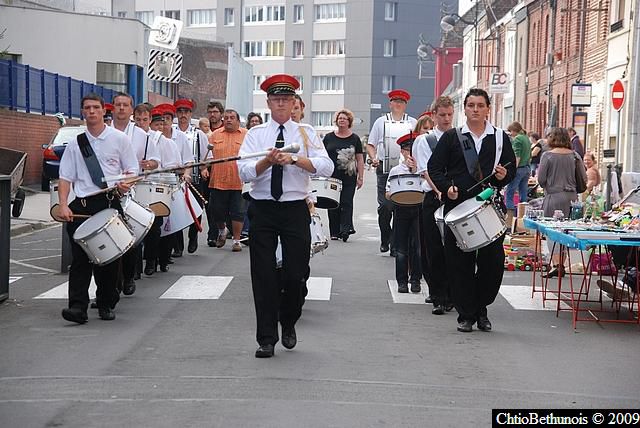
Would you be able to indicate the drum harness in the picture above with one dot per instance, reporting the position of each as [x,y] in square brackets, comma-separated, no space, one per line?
[387,150]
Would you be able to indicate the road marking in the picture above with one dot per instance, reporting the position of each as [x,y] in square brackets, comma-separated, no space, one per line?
[39,258]
[195,287]
[410,298]
[62,291]
[14,279]
[319,288]
[32,266]
[519,297]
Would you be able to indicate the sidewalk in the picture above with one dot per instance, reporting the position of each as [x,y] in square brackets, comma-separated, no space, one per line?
[35,214]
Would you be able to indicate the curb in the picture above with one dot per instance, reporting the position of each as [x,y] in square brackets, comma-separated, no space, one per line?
[21,229]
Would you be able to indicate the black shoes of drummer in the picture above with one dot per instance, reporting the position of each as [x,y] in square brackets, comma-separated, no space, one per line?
[129,287]
[483,323]
[76,315]
[193,246]
[403,288]
[289,338]
[106,314]
[176,253]
[438,310]
[384,248]
[150,270]
[466,326]
[415,287]
[164,268]
[264,351]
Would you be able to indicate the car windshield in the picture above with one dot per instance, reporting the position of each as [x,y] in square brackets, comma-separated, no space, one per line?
[65,135]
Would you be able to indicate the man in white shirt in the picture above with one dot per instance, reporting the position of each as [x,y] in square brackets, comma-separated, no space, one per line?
[385,130]
[115,156]
[280,185]
[433,258]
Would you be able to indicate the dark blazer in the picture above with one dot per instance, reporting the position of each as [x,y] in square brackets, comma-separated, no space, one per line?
[447,164]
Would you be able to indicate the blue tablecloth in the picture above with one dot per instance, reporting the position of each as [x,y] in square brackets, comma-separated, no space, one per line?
[565,235]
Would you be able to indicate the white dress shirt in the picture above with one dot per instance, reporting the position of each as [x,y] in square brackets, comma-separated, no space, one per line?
[422,153]
[376,136]
[183,145]
[295,180]
[139,142]
[169,154]
[192,134]
[115,155]
[488,130]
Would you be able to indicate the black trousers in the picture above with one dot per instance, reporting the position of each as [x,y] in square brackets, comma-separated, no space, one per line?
[152,243]
[82,269]
[385,208]
[131,262]
[406,224]
[433,258]
[476,276]
[276,297]
[341,218]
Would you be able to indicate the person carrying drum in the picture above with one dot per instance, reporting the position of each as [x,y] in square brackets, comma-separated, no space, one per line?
[406,224]
[433,256]
[385,154]
[280,184]
[463,157]
[105,152]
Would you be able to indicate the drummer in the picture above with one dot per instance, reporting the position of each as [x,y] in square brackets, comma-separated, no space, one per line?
[406,224]
[454,168]
[108,152]
[397,123]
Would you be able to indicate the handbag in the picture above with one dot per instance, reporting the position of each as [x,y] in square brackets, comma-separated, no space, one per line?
[581,183]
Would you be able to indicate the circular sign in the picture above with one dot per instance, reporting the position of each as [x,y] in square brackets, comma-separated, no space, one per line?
[617,95]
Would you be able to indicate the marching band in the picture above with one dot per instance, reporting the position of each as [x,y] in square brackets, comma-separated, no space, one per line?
[127,191]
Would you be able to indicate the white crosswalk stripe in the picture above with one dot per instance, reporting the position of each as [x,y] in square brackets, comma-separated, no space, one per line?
[319,288]
[62,291]
[519,297]
[195,287]
[13,279]
[411,298]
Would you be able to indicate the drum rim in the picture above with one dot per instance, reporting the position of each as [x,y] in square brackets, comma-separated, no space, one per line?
[406,191]
[405,174]
[326,179]
[477,247]
[115,214]
[468,215]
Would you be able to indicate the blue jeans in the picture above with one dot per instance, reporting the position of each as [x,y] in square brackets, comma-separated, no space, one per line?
[519,183]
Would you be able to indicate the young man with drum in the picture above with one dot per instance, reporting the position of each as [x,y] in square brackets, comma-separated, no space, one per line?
[280,184]
[433,256]
[406,225]
[464,157]
[385,154]
[105,152]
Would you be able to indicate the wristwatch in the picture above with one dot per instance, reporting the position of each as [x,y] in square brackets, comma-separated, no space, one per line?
[294,159]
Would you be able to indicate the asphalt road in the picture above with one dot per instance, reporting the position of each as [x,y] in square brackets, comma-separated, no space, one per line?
[361,360]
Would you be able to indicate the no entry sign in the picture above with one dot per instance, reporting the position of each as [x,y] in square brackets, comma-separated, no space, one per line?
[617,95]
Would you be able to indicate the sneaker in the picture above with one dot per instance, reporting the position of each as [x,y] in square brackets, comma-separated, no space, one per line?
[415,287]
[222,238]
[236,247]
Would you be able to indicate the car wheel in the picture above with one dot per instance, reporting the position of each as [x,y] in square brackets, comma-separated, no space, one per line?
[18,203]
[44,183]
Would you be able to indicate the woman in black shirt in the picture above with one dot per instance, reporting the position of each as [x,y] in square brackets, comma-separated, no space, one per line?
[345,150]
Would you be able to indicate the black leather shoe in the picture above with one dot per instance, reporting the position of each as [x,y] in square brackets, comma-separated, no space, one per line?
[403,288]
[106,314]
[75,315]
[137,276]
[129,287]
[384,248]
[554,272]
[211,242]
[465,326]
[193,246]
[176,253]
[289,338]
[449,307]
[345,237]
[484,324]
[149,270]
[264,351]
[93,305]
[429,299]
[415,287]
[164,268]
[438,310]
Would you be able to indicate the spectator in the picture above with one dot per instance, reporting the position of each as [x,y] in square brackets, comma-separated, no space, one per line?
[593,174]
[424,124]
[576,145]
[253,119]
[522,149]
[536,151]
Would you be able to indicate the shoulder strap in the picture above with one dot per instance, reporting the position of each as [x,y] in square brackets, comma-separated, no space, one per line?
[432,140]
[305,138]
[146,146]
[499,133]
[91,161]
[469,152]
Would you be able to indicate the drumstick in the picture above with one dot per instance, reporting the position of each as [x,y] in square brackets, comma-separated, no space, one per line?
[485,179]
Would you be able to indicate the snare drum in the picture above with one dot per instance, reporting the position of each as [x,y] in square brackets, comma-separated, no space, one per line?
[327,191]
[104,237]
[164,177]
[406,189]
[439,217]
[319,241]
[475,224]
[156,195]
[139,218]
[54,199]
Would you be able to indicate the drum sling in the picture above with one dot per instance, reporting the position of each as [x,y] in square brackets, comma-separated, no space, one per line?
[90,159]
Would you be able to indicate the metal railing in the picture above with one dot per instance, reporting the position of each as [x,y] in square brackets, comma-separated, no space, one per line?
[30,89]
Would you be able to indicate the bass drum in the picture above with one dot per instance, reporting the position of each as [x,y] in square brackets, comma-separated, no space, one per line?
[104,237]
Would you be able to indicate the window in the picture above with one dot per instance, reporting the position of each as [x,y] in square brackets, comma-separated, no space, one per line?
[298,48]
[301,80]
[173,14]
[389,47]
[264,48]
[617,15]
[112,76]
[388,83]
[201,18]
[328,48]
[257,81]
[322,119]
[228,16]
[328,84]
[122,14]
[330,12]
[298,13]
[264,13]
[146,17]
[390,11]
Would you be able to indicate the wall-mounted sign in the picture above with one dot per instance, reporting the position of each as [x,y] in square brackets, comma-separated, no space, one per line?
[581,95]
[165,32]
[499,83]
[164,66]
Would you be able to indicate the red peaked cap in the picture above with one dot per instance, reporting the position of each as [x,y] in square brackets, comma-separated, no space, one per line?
[399,94]
[167,109]
[156,114]
[407,140]
[426,113]
[280,84]
[108,107]
[183,103]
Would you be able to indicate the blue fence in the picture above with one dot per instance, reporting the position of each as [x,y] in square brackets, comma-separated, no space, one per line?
[34,90]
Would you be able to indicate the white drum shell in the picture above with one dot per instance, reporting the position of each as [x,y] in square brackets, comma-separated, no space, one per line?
[54,198]
[139,218]
[327,191]
[180,216]
[406,189]
[439,217]
[151,192]
[104,237]
[475,224]
[163,177]
[319,240]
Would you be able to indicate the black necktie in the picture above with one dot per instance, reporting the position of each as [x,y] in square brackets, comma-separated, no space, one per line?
[276,170]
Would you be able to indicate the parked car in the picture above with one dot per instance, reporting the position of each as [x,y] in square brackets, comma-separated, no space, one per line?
[53,153]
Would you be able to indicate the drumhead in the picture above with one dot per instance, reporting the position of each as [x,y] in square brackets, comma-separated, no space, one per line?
[95,223]
[463,210]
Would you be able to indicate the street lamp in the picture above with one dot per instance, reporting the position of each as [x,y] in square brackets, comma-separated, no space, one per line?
[448,22]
